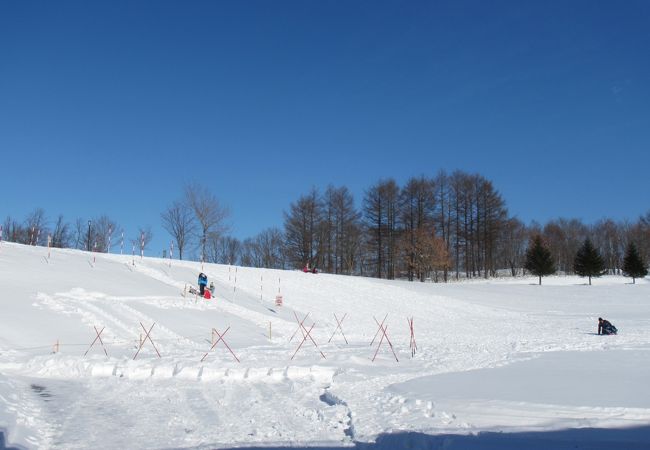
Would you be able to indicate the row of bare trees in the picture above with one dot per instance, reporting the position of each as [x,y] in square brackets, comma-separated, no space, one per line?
[448,226]
[99,234]
[324,231]
[427,228]
[196,220]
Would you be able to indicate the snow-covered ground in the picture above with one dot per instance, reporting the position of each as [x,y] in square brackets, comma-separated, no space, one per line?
[500,363]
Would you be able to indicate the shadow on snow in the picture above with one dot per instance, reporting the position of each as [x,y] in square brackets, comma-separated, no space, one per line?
[578,438]
[3,443]
[572,439]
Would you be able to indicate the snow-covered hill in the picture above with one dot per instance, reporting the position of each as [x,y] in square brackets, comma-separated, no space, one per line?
[504,356]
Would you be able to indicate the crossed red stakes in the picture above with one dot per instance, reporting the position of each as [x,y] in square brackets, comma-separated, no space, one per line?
[306,333]
[221,339]
[339,327]
[98,333]
[383,329]
[147,336]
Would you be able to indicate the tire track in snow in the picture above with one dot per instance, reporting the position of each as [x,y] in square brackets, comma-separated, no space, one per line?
[224,303]
[105,311]
[171,336]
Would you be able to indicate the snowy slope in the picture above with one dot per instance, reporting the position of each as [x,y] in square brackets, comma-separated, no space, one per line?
[502,356]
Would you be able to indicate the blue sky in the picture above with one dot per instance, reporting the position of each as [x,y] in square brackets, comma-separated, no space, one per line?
[110,107]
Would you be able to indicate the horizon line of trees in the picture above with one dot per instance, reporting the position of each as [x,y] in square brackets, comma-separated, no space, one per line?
[450,226]
[99,234]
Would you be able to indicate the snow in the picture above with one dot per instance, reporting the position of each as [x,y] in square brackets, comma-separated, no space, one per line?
[501,363]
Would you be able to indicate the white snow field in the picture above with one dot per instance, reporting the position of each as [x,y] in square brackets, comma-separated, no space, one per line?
[500,364]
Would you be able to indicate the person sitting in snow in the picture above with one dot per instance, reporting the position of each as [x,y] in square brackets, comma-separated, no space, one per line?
[306,269]
[203,282]
[606,327]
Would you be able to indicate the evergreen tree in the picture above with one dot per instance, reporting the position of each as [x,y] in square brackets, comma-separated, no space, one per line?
[588,262]
[538,259]
[633,264]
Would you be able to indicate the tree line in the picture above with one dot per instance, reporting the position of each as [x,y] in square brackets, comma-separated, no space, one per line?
[195,220]
[450,226]
[587,262]
[99,234]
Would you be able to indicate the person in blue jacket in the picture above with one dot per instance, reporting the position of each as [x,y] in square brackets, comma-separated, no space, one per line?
[203,282]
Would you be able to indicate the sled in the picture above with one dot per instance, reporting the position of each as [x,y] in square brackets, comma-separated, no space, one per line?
[192,290]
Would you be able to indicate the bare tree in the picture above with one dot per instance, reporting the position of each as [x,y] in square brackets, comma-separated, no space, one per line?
[209,213]
[264,250]
[95,234]
[328,231]
[380,208]
[36,227]
[434,255]
[643,239]
[417,203]
[513,245]
[179,222]
[339,219]
[250,256]
[14,231]
[78,234]
[608,238]
[346,229]
[491,217]
[270,245]
[425,253]
[444,211]
[225,250]
[302,225]
[564,237]
[62,235]
[143,239]
[460,210]
[373,210]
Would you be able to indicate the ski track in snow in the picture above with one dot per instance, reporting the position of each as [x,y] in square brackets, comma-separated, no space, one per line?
[179,401]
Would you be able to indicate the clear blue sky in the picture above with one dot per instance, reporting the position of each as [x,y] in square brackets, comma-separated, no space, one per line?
[110,107]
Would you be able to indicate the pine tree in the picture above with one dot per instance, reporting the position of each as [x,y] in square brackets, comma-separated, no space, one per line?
[538,259]
[588,262]
[633,264]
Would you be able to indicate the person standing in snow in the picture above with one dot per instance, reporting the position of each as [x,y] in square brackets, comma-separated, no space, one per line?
[606,327]
[203,282]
